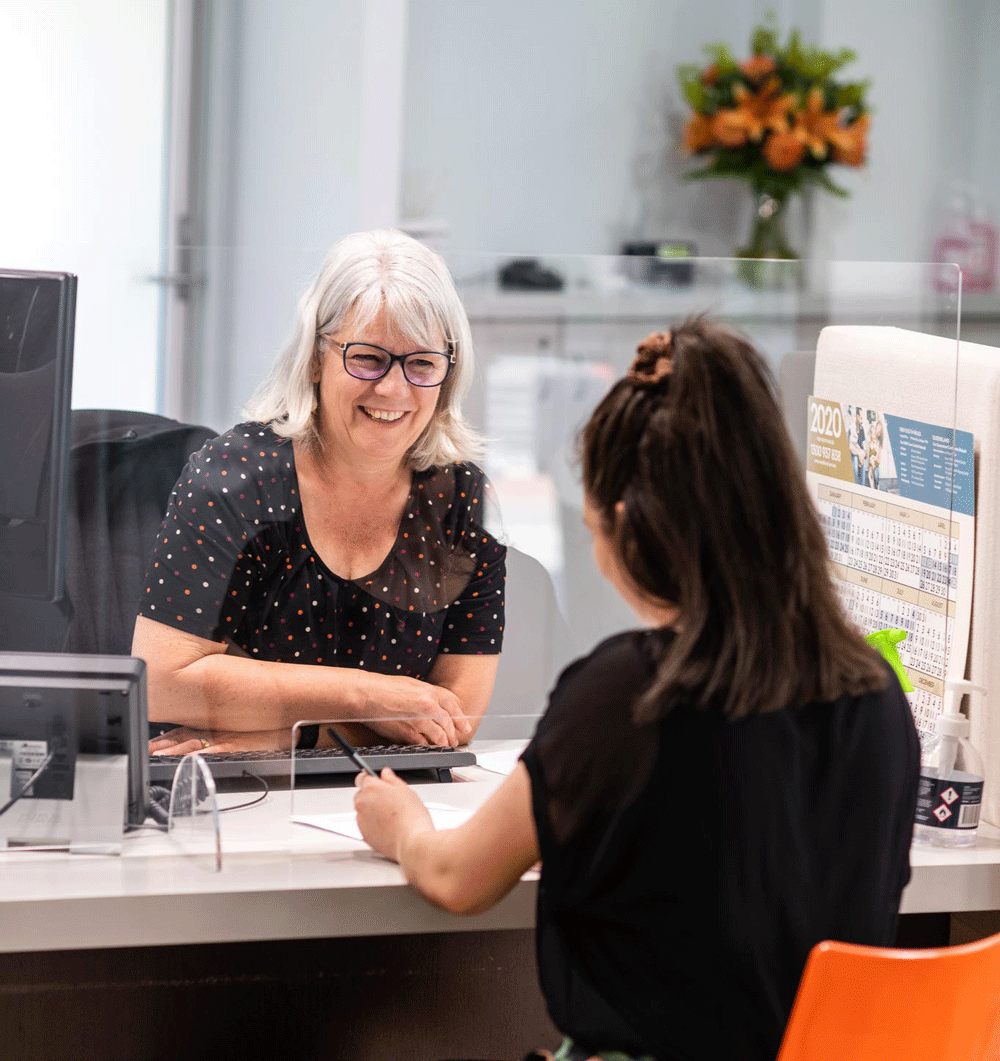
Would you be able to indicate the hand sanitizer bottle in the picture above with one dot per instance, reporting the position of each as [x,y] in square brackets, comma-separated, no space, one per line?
[951,778]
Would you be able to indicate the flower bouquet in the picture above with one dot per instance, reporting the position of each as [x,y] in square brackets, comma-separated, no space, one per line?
[778,120]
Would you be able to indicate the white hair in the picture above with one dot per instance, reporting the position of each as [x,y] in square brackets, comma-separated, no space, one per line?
[366,274]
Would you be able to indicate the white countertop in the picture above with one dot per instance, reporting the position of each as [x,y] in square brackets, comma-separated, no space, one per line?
[874,295]
[281,880]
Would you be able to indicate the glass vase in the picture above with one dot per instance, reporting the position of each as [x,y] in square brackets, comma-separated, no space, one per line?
[768,245]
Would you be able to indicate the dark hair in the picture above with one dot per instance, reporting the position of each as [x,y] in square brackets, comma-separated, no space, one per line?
[716,519]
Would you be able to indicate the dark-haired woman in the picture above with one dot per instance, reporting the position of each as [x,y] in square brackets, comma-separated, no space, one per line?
[710,795]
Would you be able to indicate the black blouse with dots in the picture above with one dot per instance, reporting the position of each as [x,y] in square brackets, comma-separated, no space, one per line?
[233,562]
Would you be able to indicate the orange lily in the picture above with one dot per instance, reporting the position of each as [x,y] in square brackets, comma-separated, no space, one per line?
[766,109]
[849,142]
[729,127]
[814,126]
[783,151]
[757,67]
[698,133]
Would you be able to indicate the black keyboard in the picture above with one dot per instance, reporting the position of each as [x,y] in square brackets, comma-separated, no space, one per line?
[320,761]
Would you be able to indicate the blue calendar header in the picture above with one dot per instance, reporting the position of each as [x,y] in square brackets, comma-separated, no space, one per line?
[933,464]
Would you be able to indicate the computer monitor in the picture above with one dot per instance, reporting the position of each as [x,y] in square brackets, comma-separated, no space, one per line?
[86,712]
[37,312]
[36,367]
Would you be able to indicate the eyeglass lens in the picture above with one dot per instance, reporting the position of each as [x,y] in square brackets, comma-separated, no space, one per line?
[423,368]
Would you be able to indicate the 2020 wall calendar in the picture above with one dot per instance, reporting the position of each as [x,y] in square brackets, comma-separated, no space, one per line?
[897,502]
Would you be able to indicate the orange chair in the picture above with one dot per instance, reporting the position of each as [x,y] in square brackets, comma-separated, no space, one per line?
[879,1004]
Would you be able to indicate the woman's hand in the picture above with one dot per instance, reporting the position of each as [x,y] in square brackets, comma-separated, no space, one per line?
[389,811]
[182,740]
[409,711]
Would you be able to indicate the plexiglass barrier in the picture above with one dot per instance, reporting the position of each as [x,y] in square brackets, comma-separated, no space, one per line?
[885,418]
[193,812]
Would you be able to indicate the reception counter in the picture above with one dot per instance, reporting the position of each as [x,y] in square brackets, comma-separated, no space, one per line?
[305,940]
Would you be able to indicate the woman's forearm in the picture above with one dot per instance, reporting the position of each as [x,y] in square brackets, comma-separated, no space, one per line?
[228,692]
[470,869]
[219,691]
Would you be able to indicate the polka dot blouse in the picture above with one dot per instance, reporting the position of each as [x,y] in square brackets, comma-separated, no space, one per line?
[233,562]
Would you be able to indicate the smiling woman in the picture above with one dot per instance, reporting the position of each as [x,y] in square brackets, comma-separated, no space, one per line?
[327,558]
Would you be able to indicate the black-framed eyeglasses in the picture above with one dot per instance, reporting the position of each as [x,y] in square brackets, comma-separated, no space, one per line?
[422,368]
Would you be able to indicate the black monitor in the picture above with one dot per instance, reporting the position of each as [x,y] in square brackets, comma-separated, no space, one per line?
[69,706]
[37,312]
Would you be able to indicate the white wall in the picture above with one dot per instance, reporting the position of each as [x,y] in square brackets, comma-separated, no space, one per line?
[984,105]
[541,127]
[552,126]
[81,181]
[918,60]
[302,174]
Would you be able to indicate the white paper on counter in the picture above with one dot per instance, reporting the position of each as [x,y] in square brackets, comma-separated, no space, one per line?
[501,761]
[346,822]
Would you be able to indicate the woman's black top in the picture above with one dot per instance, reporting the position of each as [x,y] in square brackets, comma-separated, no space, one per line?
[233,562]
[678,924]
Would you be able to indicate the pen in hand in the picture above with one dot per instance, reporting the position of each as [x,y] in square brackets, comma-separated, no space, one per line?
[351,753]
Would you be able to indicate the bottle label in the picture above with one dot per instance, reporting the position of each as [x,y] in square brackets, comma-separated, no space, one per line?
[948,804]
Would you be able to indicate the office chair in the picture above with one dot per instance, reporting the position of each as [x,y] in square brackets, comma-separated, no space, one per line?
[123,466]
[537,644]
[857,1003]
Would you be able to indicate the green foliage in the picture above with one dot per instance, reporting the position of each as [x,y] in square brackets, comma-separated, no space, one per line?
[813,63]
[692,87]
[821,179]
[765,40]
[851,94]
[721,57]
[766,181]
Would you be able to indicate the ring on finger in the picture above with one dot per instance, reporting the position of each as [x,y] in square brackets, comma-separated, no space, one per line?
[205,742]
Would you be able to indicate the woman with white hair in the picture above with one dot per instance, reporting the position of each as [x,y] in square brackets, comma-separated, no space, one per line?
[327,558]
